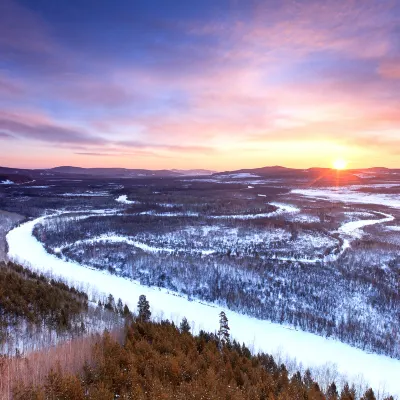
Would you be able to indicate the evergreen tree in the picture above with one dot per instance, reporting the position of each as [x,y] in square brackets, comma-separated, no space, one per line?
[110,305]
[184,326]
[245,351]
[120,307]
[332,393]
[126,312]
[144,309]
[348,393]
[307,379]
[223,333]
[369,395]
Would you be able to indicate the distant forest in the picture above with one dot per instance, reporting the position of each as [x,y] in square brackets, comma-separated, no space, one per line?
[323,298]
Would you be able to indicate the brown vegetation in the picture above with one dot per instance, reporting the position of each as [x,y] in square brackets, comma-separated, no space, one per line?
[158,361]
[33,369]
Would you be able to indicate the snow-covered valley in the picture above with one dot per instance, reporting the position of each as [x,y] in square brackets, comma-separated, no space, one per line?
[311,350]
[308,272]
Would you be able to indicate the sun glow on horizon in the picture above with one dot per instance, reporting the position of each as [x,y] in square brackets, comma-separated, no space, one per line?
[339,164]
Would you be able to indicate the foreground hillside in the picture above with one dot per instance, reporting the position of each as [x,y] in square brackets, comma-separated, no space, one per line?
[54,351]
[38,312]
[160,361]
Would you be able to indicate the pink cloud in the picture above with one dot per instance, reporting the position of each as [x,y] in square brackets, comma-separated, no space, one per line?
[21,29]
[390,69]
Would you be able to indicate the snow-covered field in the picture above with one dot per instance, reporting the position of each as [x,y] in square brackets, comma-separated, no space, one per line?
[85,194]
[311,350]
[350,195]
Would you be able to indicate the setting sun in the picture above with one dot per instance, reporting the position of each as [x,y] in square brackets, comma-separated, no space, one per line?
[339,164]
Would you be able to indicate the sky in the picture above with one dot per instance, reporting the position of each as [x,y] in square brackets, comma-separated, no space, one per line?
[217,84]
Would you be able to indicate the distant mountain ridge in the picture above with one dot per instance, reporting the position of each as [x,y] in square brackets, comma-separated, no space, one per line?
[130,173]
[315,176]
[20,175]
[322,176]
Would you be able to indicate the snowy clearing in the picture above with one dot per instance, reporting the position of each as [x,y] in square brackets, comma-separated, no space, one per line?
[311,350]
[124,200]
[6,182]
[282,209]
[170,214]
[85,194]
[395,228]
[37,187]
[346,195]
[241,175]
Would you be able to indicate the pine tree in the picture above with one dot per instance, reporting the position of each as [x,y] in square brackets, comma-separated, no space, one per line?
[184,326]
[332,393]
[127,312]
[307,379]
[120,307]
[144,309]
[369,395]
[110,305]
[347,393]
[223,333]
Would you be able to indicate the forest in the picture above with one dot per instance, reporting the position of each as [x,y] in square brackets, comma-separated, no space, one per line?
[37,311]
[257,267]
[163,361]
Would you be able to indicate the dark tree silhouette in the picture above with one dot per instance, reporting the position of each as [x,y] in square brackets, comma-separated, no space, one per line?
[184,326]
[144,312]
[223,332]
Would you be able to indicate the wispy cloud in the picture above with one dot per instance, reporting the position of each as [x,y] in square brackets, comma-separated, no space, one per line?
[201,85]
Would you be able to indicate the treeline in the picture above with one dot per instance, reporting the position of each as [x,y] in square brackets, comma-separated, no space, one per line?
[37,311]
[26,294]
[162,361]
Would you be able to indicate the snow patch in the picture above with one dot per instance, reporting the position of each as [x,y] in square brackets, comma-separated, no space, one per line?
[395,228]
[241,175]
[85,194]
[124,200]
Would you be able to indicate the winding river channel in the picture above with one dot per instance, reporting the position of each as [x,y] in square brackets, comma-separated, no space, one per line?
[311,350]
